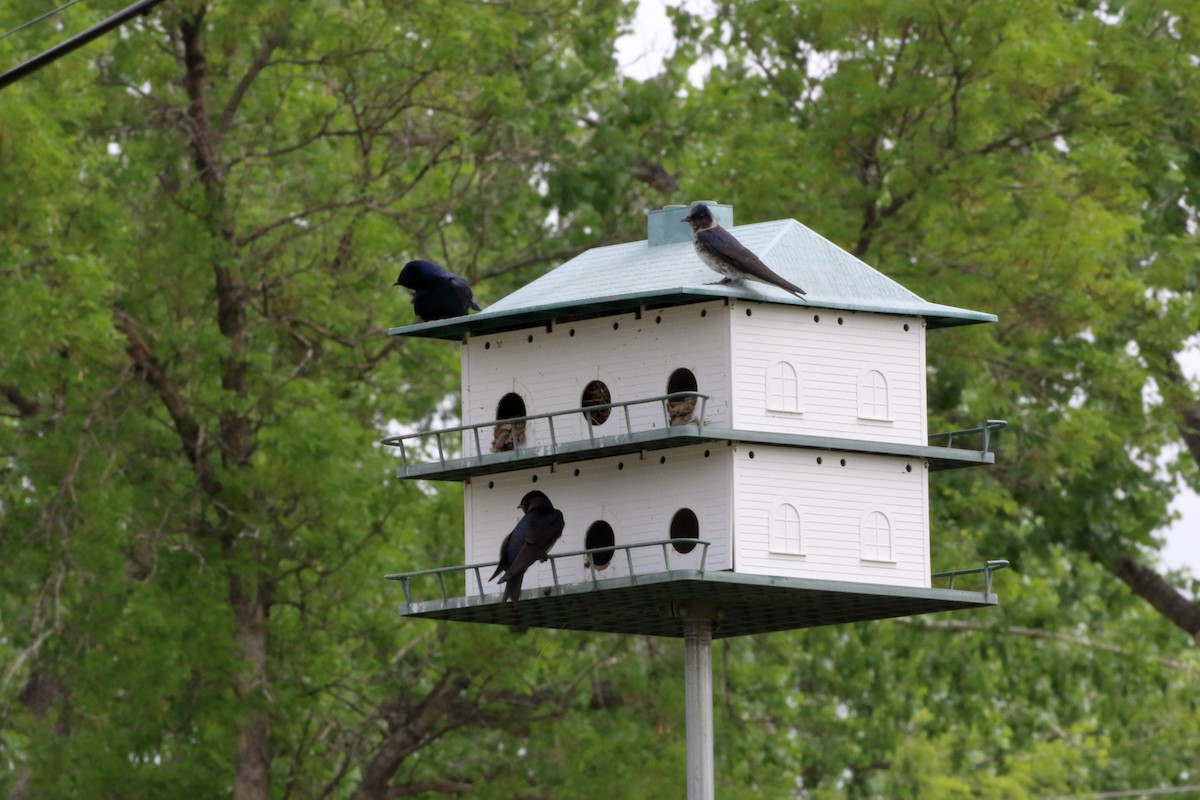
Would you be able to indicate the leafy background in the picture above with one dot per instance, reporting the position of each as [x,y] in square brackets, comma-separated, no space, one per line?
[199,219]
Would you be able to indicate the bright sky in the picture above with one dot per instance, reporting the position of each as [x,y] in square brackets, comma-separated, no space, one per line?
[640,53]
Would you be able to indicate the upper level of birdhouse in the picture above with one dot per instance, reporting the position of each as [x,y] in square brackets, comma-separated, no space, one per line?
[636,346]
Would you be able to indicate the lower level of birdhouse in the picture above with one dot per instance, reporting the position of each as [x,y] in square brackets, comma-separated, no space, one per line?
[763,510]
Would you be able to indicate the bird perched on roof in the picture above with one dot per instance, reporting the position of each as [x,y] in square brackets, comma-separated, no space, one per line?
[530,541]
[726,255]
[437,292]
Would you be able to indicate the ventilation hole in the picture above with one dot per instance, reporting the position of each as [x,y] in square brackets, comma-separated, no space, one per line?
[576,473]
[752,454]
[535,478]
[616,325]
[906,326]
[662,459]
[571,332]
[491,484]
[816,317]
[840,320]
[908,467]
[706,454]
[685,525]
[749,313]
[599,534]
[620,465]
[487,345]
[510,406]
[843,462]
[530,339]
[819,460]
[596,394]
[704,312]
[658,320]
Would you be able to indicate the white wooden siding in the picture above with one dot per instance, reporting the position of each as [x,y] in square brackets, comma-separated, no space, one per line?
[634,361]
[636,496]
[832,500]
[830,359]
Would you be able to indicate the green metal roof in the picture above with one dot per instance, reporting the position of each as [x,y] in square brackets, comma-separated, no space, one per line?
[625,277]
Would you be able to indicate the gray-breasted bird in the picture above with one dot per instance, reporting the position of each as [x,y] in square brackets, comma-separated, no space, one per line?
[727,256]
[530,541]
[437,292]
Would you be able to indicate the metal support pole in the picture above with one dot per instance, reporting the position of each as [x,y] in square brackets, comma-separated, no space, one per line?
[697,672]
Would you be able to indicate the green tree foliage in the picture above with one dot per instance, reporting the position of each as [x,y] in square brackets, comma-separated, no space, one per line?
[200,218]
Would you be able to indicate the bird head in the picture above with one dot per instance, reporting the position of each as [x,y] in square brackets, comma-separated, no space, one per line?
[700,217]
[417,274]
[534,500]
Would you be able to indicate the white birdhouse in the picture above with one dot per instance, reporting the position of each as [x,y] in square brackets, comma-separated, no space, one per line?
[788,435]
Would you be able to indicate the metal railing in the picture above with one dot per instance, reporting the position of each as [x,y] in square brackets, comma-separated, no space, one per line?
[985,429]
[444,592]
[450,440]
[988,568]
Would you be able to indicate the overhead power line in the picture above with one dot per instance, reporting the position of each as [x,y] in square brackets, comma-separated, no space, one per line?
[75,42]
[47,15]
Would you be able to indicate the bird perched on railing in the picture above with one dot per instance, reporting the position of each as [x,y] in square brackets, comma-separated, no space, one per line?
[727,256]
[437,292]
[530,541]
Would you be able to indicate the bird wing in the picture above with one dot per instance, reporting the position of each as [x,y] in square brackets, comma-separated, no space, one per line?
[504,559]
[721,244]
[463,290]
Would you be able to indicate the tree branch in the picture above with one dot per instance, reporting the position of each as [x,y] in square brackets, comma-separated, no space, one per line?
[26,406]
[407,735]
[262,57]
[191,433]
[1165,598]
[420,787]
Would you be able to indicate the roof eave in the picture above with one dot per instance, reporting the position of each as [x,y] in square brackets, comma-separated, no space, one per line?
[456,328]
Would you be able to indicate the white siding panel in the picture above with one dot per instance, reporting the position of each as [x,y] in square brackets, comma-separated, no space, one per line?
[830,358]
[636,496]
[634,359]
[832,499]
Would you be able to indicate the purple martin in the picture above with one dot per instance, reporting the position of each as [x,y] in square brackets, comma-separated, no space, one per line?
[437,292]
[726,255]
[530,541]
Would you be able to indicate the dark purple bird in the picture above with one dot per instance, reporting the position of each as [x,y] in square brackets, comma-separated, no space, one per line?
[437,292]
[726,255]
[530,541]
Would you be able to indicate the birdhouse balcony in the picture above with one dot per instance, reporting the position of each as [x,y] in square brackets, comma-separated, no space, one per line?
[655,423]
[654,594]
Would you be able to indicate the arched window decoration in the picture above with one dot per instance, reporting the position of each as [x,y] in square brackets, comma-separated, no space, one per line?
[873,400]
[599,534]
[685,525]
[783,387]
[876,537]
[511,406]
[785,530]
[681,410]
[596,393]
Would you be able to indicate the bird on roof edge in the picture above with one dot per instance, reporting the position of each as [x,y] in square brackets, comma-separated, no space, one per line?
[529,541]
[724,254]
[437,292]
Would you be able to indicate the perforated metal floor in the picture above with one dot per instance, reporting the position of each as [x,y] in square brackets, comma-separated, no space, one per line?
[745,604]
